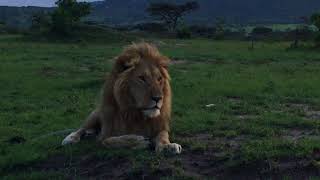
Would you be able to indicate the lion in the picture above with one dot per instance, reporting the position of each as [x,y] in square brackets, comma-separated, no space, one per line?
[135,103]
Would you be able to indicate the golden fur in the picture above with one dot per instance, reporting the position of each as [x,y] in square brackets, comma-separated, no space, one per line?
[136,99]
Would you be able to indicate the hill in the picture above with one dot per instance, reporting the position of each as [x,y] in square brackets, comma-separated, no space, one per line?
[246,11]
[19,16]
[131,11]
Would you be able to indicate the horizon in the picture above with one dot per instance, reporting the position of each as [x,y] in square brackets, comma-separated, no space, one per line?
[39,3]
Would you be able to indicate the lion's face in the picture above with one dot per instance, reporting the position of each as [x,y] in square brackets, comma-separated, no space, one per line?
[146,85]
[141,81]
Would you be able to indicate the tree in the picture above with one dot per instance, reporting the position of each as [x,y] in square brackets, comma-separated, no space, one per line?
[40,22]
[220,28]
[171,13]
[315,20]
[67,15]
[2,27]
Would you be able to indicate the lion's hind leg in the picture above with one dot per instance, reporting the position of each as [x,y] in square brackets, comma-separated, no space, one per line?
[127,141]
[90,127]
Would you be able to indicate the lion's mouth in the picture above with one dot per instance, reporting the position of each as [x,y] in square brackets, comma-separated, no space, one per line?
[151,112]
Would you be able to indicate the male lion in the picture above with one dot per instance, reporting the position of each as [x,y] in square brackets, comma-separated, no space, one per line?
[136,101]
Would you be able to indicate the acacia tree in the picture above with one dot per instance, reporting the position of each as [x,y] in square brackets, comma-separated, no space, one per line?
[171,13]
[67,15]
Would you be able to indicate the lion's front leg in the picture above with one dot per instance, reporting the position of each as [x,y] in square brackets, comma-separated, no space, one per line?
[88,128]
[163,144]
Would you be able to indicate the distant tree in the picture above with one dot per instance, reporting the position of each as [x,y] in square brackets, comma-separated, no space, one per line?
[40,22]
[171,13]
[315,20]
[2,27]
[220,26]
[258,33]
[301,31]
[67,15]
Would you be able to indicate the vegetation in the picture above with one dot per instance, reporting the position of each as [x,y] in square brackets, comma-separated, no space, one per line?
[315,19]
[220,28]
[66,17]
[133,11]
[259,32]
[184,33]
[237,113]
[171,13]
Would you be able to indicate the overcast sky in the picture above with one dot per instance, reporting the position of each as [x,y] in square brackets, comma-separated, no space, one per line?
[44,3]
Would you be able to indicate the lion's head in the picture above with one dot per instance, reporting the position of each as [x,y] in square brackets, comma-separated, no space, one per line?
[141,80]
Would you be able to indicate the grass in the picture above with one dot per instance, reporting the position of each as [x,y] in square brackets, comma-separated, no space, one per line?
[265,107]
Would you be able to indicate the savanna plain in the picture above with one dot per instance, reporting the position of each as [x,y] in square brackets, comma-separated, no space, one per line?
[238,112]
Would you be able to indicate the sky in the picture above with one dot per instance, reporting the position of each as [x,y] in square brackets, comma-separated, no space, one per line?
[43,3]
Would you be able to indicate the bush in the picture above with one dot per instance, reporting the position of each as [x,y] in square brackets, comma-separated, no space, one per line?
[183,33]
[315,19]
[2,27]
[317,40]
[202,30]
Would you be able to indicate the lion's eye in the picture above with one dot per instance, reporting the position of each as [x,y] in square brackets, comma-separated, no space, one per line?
[142,78]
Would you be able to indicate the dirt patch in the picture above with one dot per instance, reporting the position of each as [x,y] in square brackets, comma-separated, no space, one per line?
[297,134]
[86,166]
[203,156]
[307,110]
[246,116]
[314,115]
[220,158]
[234,99]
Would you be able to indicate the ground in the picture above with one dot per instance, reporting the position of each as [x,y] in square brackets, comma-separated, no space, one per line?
[238,113]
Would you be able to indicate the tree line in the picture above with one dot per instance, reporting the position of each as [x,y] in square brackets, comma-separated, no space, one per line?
[66,18]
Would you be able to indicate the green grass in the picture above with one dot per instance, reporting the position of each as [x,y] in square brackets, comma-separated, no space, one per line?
[47,87]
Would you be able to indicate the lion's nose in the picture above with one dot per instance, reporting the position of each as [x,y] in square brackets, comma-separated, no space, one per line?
[156,98]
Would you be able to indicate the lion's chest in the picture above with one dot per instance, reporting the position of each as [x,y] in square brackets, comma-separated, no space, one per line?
[125,124]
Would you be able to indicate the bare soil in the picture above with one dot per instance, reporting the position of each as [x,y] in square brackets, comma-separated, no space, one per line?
[213,159]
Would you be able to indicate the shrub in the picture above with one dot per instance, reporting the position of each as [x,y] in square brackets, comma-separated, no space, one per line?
[183,33]
[202,30]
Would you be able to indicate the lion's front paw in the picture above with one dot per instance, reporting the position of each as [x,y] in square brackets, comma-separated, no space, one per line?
[171,148]
[71,139]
